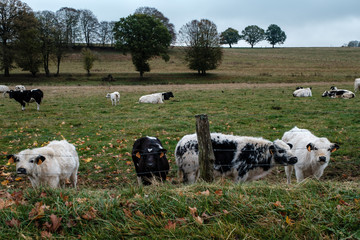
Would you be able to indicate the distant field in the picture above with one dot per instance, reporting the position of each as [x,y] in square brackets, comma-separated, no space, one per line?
[244,65]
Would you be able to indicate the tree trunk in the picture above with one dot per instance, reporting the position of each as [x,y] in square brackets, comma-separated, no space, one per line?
[58,66]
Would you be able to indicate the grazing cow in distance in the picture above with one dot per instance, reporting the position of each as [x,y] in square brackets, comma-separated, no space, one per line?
[27,96]
[241,158]
[302,92]
[338,93]
[313,153]
[50,166]
[150,160]
[357,84]
[114,97]
[4,89]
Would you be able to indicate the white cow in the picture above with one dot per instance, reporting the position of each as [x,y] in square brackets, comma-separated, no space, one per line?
[115,97]
[313,154]
[357,84]
[4,89]
[152,98]
[302,92]
[51,165]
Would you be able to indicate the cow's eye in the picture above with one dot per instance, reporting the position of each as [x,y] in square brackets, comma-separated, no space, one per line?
[281,151]
[31,161]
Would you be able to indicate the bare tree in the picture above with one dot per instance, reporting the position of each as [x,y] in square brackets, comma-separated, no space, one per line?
[69,18]
[105,32]
[89,25]
[10,11]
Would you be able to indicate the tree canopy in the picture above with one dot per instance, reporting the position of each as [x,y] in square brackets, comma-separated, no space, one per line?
[253,34]
[144,37]
[202,51]
[229,36]
[274,35]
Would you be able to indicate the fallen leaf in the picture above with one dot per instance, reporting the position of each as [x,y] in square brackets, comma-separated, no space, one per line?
[193,211]
[219,192]
[170,225]
[55,223]
[5,182]
[127,212]
[13,223]
[199,220]
[87,159]
[278,204]
[90,214]
[139,213]
[38,211]
[64,197]
[46,234]
[289,221]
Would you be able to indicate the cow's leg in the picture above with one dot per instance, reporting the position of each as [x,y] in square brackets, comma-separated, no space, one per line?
[299,175]
[288,171]
[73,179]
[53,182]
[38,106]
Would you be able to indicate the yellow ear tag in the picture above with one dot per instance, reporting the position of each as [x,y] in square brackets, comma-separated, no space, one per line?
[271,152]
[39,162]
[333,150]
[162,154]
[11,160]
[309,148]
[138,155]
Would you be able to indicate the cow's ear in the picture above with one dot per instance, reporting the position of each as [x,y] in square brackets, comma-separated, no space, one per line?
[11,159]
[310,147]
[334,147]
[39,160]
[290,145]
[272,149]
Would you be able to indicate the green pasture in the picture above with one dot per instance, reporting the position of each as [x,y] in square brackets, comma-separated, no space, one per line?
[108,202]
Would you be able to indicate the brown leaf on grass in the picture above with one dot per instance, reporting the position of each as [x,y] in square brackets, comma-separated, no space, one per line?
[289,221]
[6,203]
[43,194]
[46,234]
[219,192]
[278,204]
[55,223]
[13,223]
[127,212]
[90,214]
[193,211]
[139,213]
[170,225]
[71,223]
[342,202]
[38,211]
[64,197]
[204,193]
[199,220]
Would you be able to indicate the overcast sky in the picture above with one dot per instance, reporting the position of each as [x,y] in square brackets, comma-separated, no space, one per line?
[307,23]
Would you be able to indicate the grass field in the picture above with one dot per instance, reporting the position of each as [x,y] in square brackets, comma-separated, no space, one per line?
[108,202]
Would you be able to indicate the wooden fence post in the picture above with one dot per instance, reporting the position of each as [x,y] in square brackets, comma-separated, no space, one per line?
[206,153]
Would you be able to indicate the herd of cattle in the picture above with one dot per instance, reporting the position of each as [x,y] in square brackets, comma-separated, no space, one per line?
[241,158]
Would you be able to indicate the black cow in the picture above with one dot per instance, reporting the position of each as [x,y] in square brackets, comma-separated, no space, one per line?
[150,160]
[27,96]
[167,95]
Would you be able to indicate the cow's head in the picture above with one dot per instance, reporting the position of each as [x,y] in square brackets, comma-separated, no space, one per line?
[282,153]
[168,95]
[25,162]
[150,159]
[321,150]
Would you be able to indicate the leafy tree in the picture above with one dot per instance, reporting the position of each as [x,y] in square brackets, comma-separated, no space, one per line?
[88,59]
[89,25]
[144,37]
[157,14]
[274,35]
[28,45]
[253,34]
[229,36]
[203,50]
[47,28]
[10,12]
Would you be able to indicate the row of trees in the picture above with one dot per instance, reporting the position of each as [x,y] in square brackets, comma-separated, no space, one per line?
[354,43]
[253,34]
[32,39]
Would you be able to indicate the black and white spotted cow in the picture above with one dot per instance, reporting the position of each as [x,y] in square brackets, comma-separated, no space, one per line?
[150,160]
[338,93]
[242,158]
[27,96]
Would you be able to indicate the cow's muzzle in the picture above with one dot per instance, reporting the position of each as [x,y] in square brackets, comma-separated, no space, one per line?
[322,159]
[292,160]
[21,171]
